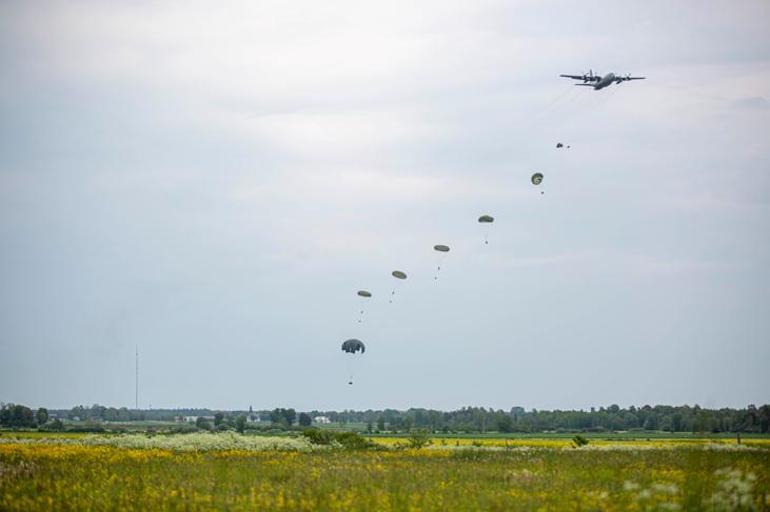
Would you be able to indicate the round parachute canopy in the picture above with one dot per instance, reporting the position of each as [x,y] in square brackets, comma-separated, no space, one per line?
[364,293]
[486,218]
[353,345]
[537,178]
[441,248]
[398,274]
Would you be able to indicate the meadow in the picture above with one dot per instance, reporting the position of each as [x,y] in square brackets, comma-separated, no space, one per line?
[228,471]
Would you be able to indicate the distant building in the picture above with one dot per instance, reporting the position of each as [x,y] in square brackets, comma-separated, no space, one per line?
[193,419]
[322,420]
[253,417]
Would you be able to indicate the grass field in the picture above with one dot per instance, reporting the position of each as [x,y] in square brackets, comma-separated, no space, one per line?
[233,472]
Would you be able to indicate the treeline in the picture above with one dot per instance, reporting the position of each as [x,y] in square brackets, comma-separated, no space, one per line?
[613,418]
[468,419]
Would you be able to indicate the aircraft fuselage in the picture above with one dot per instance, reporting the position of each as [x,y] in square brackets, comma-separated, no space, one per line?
[605,81]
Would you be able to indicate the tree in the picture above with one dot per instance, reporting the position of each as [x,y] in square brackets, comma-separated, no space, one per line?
[219,418]
[305,420]
[381,423]
[764,418]
[290,415]
[202,423]
[41,416]
[16,416]
[240,423]
[504,423]
[650,423]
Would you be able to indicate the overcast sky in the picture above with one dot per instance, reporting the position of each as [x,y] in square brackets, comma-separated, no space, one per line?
[213,182]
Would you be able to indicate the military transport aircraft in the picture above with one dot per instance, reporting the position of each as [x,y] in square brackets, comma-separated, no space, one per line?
[600,82]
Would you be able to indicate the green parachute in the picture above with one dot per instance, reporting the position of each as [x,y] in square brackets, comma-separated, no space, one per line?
[353,345]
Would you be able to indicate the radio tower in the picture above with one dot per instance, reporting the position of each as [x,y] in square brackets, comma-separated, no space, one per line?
[136,391]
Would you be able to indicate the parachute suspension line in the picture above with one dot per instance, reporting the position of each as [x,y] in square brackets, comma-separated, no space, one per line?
[392,294]
[349,371]
[438,269]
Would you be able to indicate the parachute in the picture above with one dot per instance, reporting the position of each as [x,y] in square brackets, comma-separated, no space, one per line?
[352,347]
[364,295]
[400,276]
[485,220]
[442,250]
[537,179]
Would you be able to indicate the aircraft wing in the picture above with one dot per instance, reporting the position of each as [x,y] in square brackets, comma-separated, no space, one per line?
[625,78]
[585,85]
[585,78]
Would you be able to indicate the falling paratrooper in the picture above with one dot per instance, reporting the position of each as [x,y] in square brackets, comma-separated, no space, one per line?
[442,250]
[485,220]
[353,346]
[561,145]
[401,276]
[364,295]
[537,179]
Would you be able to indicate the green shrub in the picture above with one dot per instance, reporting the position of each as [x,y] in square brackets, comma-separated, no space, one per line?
[347,440]
[579,441]
[419,439]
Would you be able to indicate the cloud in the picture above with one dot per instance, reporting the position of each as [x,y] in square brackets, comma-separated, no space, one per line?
[195,176]
[752,103]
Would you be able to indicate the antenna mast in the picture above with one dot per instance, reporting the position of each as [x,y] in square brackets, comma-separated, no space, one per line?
[136,390]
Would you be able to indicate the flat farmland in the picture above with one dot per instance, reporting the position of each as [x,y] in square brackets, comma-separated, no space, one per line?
[228,471]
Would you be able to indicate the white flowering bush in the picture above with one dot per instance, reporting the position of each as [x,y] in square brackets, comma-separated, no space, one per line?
[656,496]
[183,442]
[735,490]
